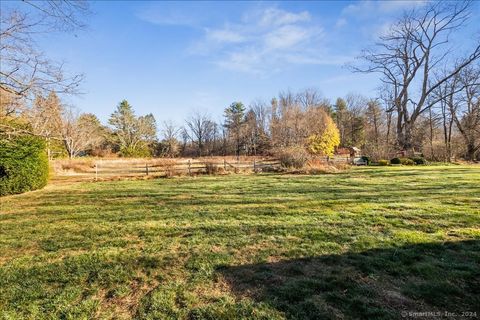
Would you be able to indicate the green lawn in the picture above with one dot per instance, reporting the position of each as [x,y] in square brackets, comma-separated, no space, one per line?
[368,243]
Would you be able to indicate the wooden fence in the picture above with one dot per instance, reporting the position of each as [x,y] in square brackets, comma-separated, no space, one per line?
[99,169]
[179,167]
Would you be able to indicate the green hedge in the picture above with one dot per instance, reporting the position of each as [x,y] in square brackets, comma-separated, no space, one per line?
[396,161]
[23,165]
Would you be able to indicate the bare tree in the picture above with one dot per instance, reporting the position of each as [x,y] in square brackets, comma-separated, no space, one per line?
[465,108]
[263,114]
[81,133]
[11,105]
[287,127]
[433,122]
[257,140]
[170,133]
[373,127]
[355,119]
[201,127]
[45,117]
[309,98]
[408,55]
[445,105]
[24,69]
[387,98]
[185,137]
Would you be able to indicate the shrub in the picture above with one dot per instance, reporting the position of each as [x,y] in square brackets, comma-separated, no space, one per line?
[141,151]
[407,161]
[326,168]
[211,168]
[396,161]
[23,165]
[77,165]
[272,169]
[294,157]
[383,162]
[419,160]
[168,166]
[342,166]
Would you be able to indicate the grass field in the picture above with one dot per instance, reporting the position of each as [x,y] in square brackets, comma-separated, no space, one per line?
[368,243]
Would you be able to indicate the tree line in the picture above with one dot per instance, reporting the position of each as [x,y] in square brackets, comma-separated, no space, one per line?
[291,120]
[428,103]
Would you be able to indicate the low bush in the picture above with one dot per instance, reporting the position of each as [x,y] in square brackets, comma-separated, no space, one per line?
[168,165]
[342,166]
[319,166]
[272,169]
[75,165]
[395,161]
[419,160]
[407,161]
[295,157]
[383,162]
[23,165]
[211,168]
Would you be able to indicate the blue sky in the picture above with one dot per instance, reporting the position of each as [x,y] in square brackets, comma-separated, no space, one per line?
[170,58]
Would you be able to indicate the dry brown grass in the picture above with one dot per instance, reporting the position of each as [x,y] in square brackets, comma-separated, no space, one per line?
[317,166]
[112,169]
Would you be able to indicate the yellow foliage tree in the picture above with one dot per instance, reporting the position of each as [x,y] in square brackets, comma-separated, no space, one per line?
[324,142]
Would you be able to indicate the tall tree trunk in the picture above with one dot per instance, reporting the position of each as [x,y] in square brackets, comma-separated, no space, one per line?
[389,124]
[403,135]
[432,154]
[446,134]
[471,150]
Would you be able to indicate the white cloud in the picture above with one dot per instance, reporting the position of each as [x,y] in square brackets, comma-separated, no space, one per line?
[286,36]
[398,5]
[371,8]
[172,18]
[271,17]
[328,60]
[182,13]
[341,22]
[224,35]
[373,18]
[264,40]
[244,61]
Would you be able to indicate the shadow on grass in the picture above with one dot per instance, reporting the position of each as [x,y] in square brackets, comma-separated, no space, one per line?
[375,284]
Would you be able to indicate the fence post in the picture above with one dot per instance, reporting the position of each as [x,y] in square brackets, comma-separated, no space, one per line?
[189,169]
[146,168]
[96,171]
[224,164]
[254,165]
